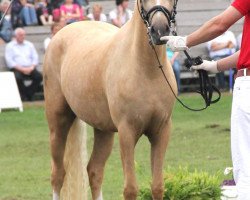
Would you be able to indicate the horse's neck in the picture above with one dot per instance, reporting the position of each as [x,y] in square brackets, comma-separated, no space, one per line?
[140,42]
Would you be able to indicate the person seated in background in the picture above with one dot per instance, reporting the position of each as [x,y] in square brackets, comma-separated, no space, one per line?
[172,56]
[44,13]
[21,58]
[221,47]
[6,29]
[16,15]
[239,38]
[28,13]
[56,3]
[70,12]
[82,2]
[121,14]
[97,14]
[55,6]
[54,29]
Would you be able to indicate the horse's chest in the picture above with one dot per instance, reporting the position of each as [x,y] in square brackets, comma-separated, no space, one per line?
[142,107]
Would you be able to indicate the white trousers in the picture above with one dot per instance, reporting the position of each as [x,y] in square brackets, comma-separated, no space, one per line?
[240,136]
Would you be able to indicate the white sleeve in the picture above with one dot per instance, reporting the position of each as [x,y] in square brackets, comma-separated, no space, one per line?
[103,18]
[46,43]
[130,14]
[90,16]
[9,57]
[112,15]
[209,44]
[34,55]
[233,39]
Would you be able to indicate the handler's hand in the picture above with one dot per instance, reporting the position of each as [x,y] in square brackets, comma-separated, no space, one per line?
[175,43]
[210,66]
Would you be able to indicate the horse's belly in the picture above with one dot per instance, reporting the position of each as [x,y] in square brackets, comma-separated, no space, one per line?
[91,108]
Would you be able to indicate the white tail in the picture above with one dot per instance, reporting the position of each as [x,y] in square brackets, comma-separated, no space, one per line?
[75,161]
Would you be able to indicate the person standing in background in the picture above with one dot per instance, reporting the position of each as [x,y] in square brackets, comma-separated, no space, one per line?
[172,56]
[121,14]
[221,47]
[239,39]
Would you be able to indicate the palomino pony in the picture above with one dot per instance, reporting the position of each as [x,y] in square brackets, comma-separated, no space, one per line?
[109,78]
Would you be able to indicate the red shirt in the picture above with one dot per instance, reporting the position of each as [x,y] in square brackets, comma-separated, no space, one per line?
[243,6]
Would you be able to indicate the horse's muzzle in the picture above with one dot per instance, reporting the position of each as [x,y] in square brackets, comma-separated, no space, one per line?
[157,31]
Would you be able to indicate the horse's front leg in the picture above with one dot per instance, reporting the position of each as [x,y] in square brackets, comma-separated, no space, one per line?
[159,143]
[128,138]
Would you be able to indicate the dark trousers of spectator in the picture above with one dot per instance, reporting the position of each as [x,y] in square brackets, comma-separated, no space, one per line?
[27,92]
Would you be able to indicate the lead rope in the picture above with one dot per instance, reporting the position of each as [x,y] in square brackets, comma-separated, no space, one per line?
[171,88]
[203,75]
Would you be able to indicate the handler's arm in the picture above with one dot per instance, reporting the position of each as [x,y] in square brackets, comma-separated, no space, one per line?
[214,27]
[228,62]
[220,65]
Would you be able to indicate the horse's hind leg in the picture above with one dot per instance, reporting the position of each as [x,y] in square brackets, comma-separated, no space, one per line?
[159,143]
[103,142]
[60,118]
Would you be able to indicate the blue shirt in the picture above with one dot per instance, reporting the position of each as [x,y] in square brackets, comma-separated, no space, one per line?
[170,53]
[23,55]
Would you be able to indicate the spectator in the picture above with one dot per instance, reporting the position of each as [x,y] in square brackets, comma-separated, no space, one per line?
[54,29]
[221,47]
[97,14]
[121,14]
[44,13]
[28,13]
[70,12]
[82,2]
[56,3]
[6,30]
[16,18]
[239,38]
[21,58]
[176,66]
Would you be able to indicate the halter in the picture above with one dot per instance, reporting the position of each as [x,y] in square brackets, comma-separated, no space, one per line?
[146,15]
[206,86]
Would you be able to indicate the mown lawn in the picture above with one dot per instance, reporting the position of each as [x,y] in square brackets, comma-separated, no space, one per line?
[199,140]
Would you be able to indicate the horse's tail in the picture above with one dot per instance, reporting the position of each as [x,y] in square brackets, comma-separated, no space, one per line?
[75,161]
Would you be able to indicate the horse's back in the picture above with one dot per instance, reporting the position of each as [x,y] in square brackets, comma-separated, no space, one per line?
[83,37]
[88,31]
[85,33]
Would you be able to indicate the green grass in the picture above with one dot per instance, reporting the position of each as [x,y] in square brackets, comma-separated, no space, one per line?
[199,140]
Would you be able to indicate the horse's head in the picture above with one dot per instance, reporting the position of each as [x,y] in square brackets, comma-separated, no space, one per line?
[157,14]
